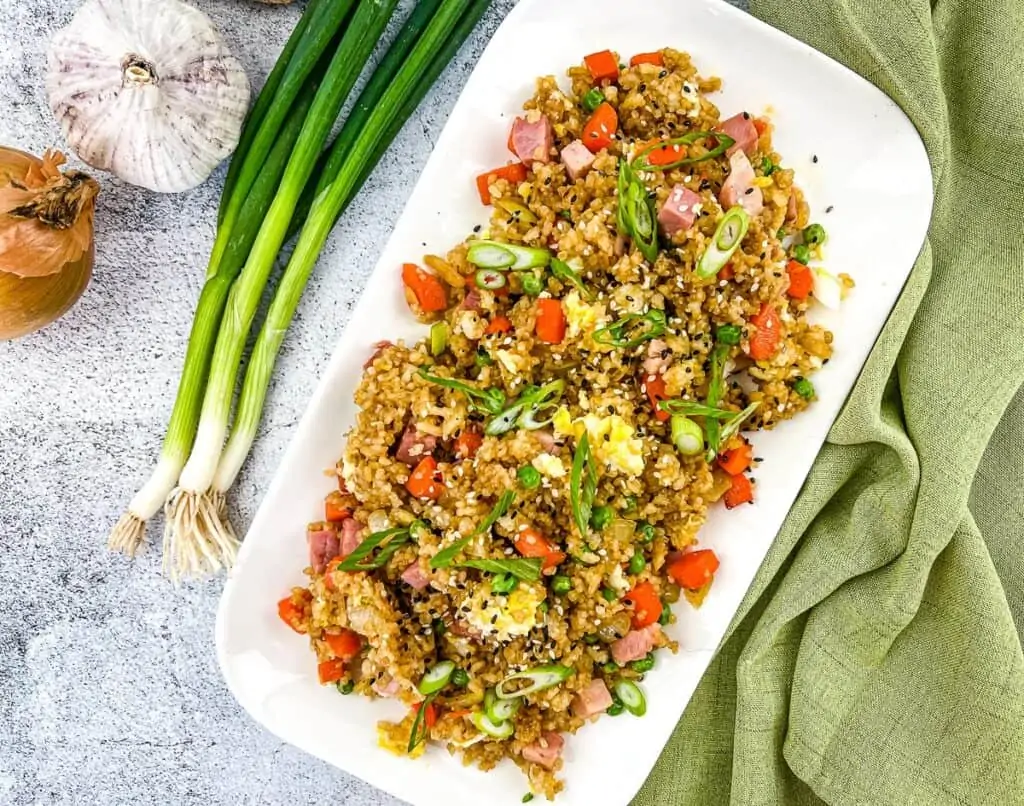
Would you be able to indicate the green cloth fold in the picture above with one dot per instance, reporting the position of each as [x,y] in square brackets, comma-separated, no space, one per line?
[876,658]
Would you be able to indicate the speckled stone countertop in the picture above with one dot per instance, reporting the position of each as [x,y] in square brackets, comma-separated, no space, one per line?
[109,687]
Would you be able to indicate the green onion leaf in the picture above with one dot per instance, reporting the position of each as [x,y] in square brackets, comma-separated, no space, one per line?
[632,329]
[436,678]
[539,677]
[444,558]
[526,569]
[722,144]
[690,409]
[564,272]
[496,730]
[724,242]
[419,731]
[491,400]
[583,484]
[732,427]
[394,538]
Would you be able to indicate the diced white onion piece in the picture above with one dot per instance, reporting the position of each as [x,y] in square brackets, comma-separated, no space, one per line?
[827,289]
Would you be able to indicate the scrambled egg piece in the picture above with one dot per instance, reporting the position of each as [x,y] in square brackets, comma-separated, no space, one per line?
[505,617]
[611,439]
[394,737]
[513,363]
[581,317]
[548,465]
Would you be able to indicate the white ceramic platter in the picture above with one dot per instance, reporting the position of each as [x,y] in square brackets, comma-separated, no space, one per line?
[871,169]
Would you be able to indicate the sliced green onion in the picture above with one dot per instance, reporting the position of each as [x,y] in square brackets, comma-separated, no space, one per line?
[644,665]
[716,382]
[518,211]
[804,388]
[724,242]
[540,678]
[460,678]
[438,338]
[687,436]
[495,255]
[436,678]
[490,400]
[489,255]
[828,289]
[446,556]
[732,427]
[690,409]
[593,98]
[525,568]
[723,143]
[631,696]
[505,421]
[388,540]
[419,731]
[564,272]
[583,484]
[635,213]
[496,730]
[632,329]
[491,279]
[767,166]
[498,710]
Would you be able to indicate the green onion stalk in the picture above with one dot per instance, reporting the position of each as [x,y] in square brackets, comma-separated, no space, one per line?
[195,536]
[223,268]
[391,96]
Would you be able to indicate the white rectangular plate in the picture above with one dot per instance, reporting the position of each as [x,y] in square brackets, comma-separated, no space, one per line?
[871,168]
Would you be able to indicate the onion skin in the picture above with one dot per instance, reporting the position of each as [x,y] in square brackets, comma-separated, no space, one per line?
[46,240]
[41,300]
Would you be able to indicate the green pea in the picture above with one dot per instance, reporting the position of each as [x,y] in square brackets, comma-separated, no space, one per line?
[532,285]
[631,503]
[482,359]
[561,584]
[801,253]
[804,388]
[609,595]
[346,686]
[611,667]
[637,563]
[593,99]
[601,517]
[814,234]
[729,334]
[529,477]
[666,614]
[527,797]
[781,233]
[767,166]
[645,532]
[645,664]
[504,583]
[615,709]
[460,678]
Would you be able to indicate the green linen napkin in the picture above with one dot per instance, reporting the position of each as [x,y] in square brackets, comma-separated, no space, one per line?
[875,659]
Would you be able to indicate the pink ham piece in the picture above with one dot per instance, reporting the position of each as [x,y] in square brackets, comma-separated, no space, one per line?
[388,689]
[546,440]
[592,700]
[577,159]
[677,213]
[472,300]
[351,536]
[741,129]
[323,547]
[654,363]
[413,446]
[378,348]
[414,577]
[532,139]
[546,750]
[739,187]
[636,644]
[791,207]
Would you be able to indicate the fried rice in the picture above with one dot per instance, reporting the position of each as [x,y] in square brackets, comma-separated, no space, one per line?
[595,499]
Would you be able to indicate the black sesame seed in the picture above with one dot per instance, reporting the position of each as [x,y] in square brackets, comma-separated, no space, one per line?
[814,158]
[829,209]
[663,73]
[611,409]
[746,116]
[477,228]
[704,184]
[685,88]
[494,618]
[671,125]
[748,191]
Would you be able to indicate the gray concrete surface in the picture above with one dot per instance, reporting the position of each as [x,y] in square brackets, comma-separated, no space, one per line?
[109,688]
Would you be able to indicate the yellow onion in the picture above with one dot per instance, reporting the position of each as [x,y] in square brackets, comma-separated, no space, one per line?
[46,239]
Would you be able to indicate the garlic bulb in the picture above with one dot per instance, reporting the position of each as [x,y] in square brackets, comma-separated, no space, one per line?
[148,91]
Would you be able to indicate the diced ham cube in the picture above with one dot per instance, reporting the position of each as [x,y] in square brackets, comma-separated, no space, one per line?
[741,129]
[351,536]
[577,159]
[546,440]
[636,644]
[592,700]
[677,213]
[791,206]
[323,547]
[472,300]
[532,139]
[656,363]
[739,187]
[546,750]
[413,446]
[386,689]
[415,577]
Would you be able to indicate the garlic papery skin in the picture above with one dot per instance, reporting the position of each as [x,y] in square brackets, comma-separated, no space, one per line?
[148,91]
